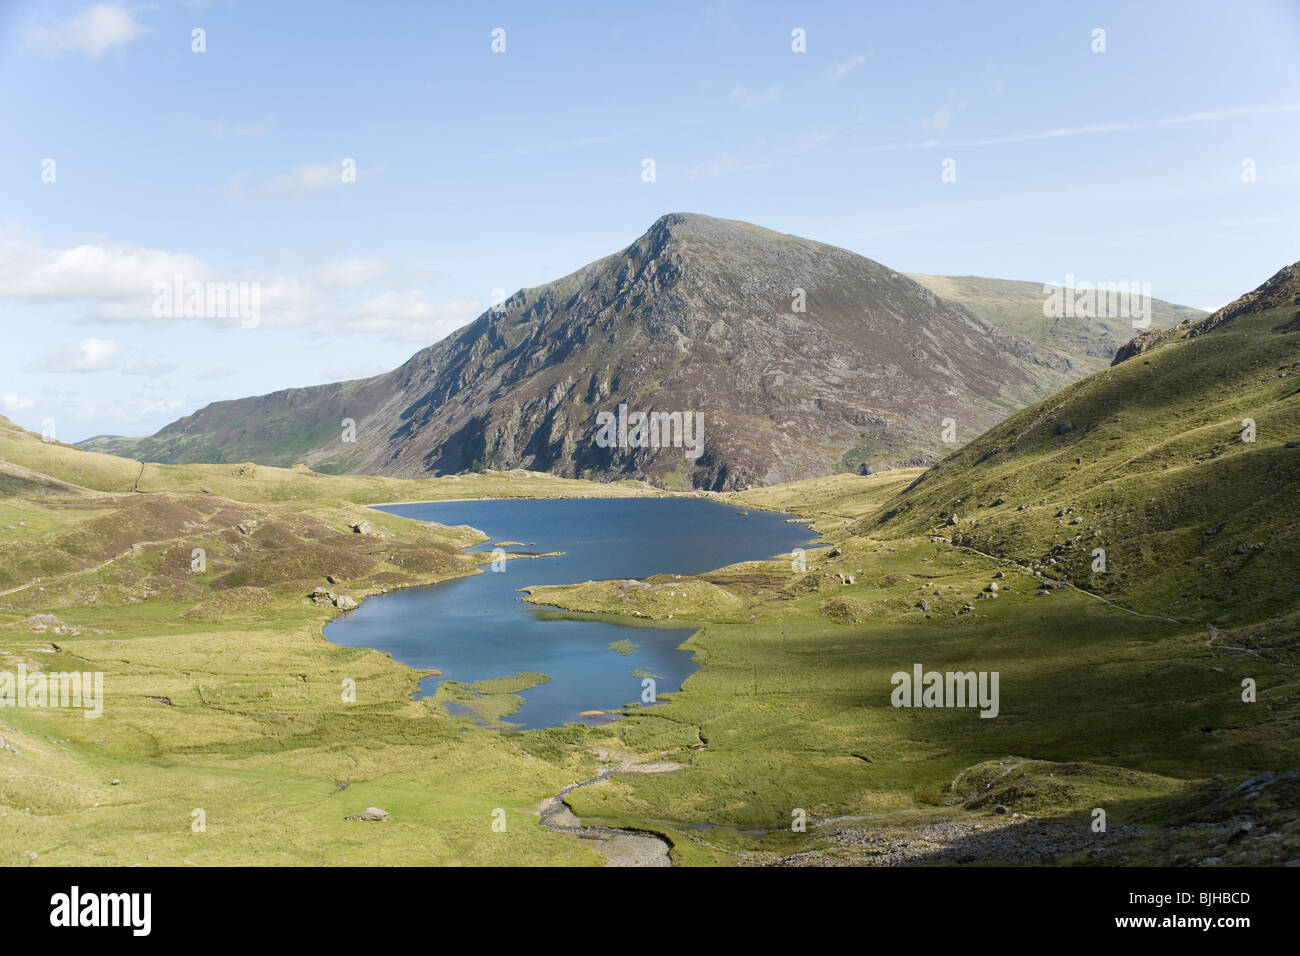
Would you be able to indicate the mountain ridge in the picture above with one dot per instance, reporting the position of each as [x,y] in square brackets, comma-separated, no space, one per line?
[698,314]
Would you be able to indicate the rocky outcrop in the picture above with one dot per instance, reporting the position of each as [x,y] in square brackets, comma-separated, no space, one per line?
[1282,290]
[800,358]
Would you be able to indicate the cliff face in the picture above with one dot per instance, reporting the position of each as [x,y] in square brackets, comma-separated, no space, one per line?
[801,358]
[1281,291]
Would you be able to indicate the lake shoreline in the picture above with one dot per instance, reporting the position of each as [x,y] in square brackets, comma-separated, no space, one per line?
[488,626]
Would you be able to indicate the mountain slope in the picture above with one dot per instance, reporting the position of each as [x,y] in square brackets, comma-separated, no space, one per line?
[1148,461]
[1088,343]
[1280,292]
[696,316]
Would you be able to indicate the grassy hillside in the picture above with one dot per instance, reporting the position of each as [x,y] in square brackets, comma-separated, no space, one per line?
[1123,692]
[1099,708]
[223,695]
[81,466]
[1147,461]
[1017,307]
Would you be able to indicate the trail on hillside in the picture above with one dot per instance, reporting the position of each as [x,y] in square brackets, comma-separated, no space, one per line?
[134,549]
[619,847]
[1103,600]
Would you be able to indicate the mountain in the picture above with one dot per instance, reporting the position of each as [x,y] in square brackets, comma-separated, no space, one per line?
[1181,462]
[699,316]
[1281,291]
[1089,344]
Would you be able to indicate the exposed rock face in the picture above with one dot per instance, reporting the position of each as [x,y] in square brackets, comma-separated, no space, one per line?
[1281,290]
[1146,341]
[698,315]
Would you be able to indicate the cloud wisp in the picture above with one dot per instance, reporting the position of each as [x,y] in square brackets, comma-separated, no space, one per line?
[93,32]
[118,283]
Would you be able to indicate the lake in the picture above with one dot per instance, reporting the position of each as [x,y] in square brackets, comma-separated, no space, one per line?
[478,627]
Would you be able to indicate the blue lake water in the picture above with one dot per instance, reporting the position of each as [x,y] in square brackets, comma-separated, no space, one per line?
[478,627]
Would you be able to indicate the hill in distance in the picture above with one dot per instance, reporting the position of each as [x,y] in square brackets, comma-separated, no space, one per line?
[1088,344]
[802,358]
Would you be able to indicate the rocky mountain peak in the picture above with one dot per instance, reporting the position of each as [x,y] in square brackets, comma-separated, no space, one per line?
[801,358]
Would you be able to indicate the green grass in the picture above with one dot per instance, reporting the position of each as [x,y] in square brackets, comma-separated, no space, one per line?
[222,693]
[1196,523]
[1017,307]
[791,704]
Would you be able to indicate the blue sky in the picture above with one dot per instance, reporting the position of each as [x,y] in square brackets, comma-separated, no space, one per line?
[478,170]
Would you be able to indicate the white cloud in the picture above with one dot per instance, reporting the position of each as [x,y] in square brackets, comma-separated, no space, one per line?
[844,67]
[14,402]
[99,355]
[298,182]
[409,316]
[116,283]
[309,177]
[1096,128]
[153,408]
[87,271]
[93,31]
[88,355]
[943,117]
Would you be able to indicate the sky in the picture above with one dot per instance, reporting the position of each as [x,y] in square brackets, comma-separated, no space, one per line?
[377,171]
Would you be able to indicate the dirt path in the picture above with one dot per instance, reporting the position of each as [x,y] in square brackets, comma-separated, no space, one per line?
[619,847]
[134,549]
[1028,570]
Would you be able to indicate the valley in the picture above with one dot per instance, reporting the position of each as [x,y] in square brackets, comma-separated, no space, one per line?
[223,696]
